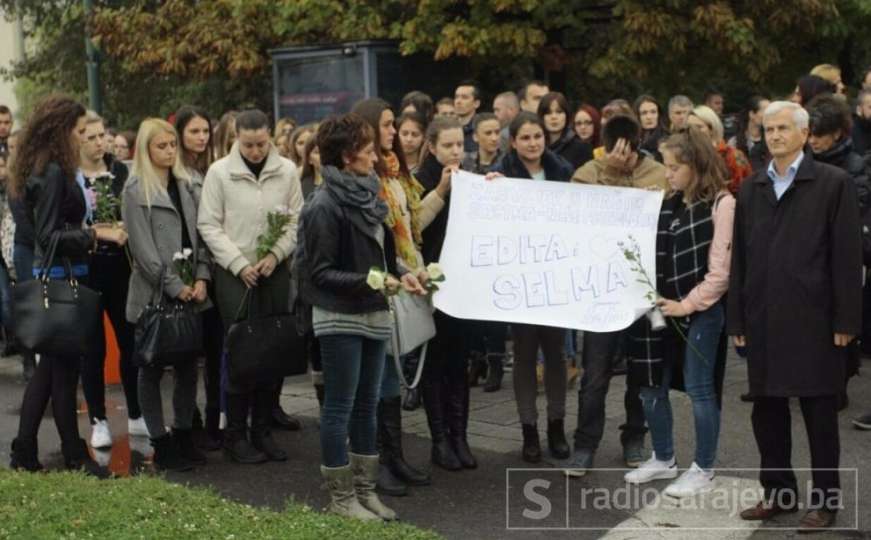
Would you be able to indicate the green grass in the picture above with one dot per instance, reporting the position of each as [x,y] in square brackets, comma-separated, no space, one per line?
[70,505]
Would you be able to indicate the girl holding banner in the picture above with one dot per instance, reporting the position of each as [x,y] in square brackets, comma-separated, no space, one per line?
[530,158]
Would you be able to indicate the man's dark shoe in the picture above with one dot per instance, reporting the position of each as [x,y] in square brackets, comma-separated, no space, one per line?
[816,521]
[763,511]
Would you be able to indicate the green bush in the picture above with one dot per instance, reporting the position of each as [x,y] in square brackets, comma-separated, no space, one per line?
[71,505]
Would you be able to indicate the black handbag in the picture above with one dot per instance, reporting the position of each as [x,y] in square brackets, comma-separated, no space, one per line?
[167,332]
[263,348]
[56,317]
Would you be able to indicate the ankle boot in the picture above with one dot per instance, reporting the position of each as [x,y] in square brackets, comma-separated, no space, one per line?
[389,484]
[167,455]
[77,458]
[343,497]
[25,456]
[261,434]
[477,368]
[390,443]
[531,446]
[458,420]
[236,445]
[556,439]
[365,476]
[280,419]
[209,438]
[433,402]
[185,444]
[495,372]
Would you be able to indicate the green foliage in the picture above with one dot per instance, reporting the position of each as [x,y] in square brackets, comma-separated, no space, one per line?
[67,505]
[158,55]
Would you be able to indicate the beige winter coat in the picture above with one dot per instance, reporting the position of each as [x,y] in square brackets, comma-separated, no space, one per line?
[234,205]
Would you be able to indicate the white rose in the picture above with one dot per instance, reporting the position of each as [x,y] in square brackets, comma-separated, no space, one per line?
[375,279]
[187,252]
[435,271]
[282,209]
[177,256]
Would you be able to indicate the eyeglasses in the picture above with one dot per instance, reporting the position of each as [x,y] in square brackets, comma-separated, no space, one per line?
[583,122]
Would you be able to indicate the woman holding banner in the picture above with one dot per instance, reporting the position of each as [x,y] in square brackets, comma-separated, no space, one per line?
[530,158]
[445,383]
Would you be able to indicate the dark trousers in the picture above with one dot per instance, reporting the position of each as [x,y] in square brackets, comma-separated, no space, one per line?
[110,275]
[56,378]
[772,428]
[527,340]
[599,355]
[213,343]
[444,384]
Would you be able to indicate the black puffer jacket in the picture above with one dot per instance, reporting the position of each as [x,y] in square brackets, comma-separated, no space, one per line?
[336,248]
[841,155]
[555,168]
[54,202]
[572,149]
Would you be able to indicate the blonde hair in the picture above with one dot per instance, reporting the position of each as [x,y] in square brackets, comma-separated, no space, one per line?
[828,72]
[709,117]
[143,168]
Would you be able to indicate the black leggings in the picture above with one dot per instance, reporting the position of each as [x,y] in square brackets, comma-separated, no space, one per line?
[55,378]
[110,275]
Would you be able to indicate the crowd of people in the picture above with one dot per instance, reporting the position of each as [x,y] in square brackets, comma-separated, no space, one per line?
[760,237]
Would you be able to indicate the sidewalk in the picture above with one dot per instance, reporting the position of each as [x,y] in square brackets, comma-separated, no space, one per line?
[472,504]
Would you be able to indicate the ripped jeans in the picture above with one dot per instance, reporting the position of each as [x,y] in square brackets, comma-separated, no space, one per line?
[698,371]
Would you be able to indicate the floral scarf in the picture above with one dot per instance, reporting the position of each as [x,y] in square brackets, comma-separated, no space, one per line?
[407,242]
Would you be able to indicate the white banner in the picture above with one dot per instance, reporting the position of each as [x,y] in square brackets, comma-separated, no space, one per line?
[547,253]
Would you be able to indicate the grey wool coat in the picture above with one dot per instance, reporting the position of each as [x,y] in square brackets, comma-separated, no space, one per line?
[155,236]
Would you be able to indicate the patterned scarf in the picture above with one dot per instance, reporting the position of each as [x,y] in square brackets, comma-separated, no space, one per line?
[407,242]
[356,191]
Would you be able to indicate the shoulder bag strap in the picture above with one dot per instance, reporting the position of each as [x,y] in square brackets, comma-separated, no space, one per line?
[395,340]
[48,256]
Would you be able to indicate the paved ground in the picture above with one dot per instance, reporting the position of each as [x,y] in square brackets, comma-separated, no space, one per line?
[485,502]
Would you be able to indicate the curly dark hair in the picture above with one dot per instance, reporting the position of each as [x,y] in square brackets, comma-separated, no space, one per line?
[342,135]
[46,139]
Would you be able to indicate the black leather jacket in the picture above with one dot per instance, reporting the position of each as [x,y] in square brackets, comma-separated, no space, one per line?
[54,202]
[336,249]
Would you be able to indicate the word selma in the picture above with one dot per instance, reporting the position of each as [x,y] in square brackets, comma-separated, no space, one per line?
[557,287]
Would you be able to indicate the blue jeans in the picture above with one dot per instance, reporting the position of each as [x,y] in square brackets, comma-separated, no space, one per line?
[698,371]
[353,367]
[390,387]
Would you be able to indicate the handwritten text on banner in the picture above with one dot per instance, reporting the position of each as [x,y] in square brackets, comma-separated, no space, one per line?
[546,253]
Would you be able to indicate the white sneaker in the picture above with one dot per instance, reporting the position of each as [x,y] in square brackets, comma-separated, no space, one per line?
[652,469]
[693,481]
[100,435]
[136,427]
